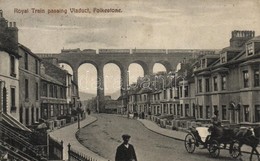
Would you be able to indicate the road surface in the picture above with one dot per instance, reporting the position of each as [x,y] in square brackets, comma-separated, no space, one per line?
[104,135]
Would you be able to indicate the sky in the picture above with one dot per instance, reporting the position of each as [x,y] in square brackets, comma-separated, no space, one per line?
[149,24]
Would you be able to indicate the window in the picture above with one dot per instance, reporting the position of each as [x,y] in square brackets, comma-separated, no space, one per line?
[171,95]
[207,84]
[224,112]
[36,91]
[170,108]
[51,91]
[246,113]
[186,91]
[21,114]
[27,116]
[145,98]
[13,107]
[215,83]
[26,61]
[187,110]
[180,91]
[207,112]
[224,82]
[37,114]
[246,79]
[203,63]
[12,65]
[174,109]
[223,59]
[256,78]
[61,109]
[200,85]
[257,113]
[26,89]
[165,94]
[164,108]
[181,110]
[36,66]
[55,92]
[201,111]
[178,109]
[32,114]
[250,49]
[51,110]
[44,89]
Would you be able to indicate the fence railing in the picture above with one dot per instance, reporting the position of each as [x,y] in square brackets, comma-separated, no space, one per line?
[76,156]
[55,149]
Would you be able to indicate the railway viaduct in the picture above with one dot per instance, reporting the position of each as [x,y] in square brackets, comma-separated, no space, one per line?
[122,58]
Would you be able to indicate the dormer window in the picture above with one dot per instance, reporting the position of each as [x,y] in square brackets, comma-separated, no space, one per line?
[203,63]
[250,49]
[223,58]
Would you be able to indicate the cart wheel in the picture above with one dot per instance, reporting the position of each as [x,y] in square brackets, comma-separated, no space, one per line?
[214,149]
[235,150]
[189,143]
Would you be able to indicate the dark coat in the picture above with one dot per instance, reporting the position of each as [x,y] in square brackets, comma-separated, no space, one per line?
[125,154]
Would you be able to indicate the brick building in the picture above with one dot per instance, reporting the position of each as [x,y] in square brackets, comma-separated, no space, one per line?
[29,84]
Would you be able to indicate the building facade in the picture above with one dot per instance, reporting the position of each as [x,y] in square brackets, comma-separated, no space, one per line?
[29,84]
[9,64]
[53,92]
[229,82]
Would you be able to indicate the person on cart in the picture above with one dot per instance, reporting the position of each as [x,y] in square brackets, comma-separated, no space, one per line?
[216,129]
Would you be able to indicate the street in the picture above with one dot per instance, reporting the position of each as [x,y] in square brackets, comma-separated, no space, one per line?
[104,135]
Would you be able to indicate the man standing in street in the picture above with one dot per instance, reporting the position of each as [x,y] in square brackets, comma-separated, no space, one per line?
[125,151]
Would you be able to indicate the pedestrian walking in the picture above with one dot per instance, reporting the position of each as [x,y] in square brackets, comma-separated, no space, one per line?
[125,151]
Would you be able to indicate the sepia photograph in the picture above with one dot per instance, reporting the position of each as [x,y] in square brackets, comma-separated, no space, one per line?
[129,80]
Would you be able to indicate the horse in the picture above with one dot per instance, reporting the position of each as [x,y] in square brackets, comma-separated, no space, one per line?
[250,137]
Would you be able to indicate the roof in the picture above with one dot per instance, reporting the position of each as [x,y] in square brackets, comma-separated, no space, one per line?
[257,38]
[28,51]
[51,79]
[234,49]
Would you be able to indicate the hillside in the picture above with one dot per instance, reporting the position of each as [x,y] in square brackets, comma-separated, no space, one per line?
[86,96]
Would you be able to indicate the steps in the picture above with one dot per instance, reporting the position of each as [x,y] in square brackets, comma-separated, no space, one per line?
[13,122]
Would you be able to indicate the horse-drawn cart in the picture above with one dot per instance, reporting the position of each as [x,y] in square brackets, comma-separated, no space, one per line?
[197,136]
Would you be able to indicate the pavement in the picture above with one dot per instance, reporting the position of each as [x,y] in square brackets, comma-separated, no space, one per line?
[67,135]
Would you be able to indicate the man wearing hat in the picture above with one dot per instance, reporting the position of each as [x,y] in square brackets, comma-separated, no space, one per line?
[125,151]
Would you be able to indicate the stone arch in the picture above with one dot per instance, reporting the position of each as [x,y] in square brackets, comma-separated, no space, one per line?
[88,62]
[87,77]
[114,81]
[65,62]
[143,64]
[120,65]
[168,66]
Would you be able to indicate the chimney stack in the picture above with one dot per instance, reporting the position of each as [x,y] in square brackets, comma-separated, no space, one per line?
[239,38]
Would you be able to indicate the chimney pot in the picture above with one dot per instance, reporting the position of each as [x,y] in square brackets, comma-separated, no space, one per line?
[10,24]
[1,13]
[14,24]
